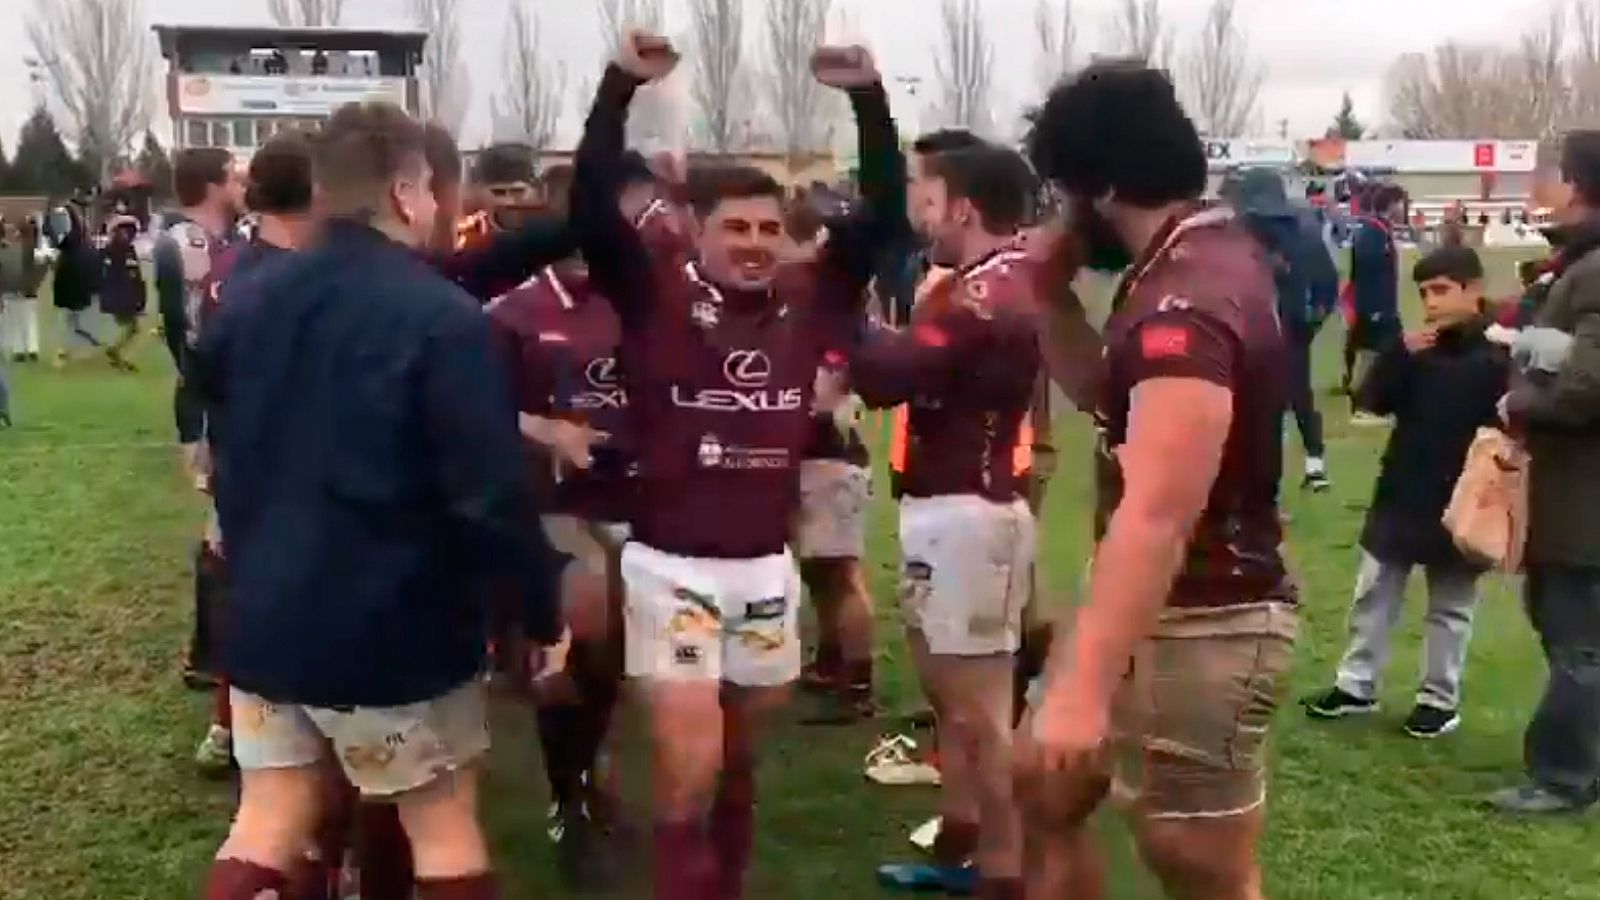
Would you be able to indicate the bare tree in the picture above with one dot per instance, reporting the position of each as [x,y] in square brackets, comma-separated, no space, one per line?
[1467,91]
[718,55]
[1057,34]
[445,81]
[306,13]
[96,59]
[1223,84]
[794,29]
[1537,78]
[1139,29]
[1583,72]
[964,65]
[650,116]
[527,107]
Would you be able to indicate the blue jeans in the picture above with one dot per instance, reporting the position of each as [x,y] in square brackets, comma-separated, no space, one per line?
[1562,745]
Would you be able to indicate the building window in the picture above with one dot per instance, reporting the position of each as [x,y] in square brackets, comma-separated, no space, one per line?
[220,133]
[198,133]
[263,131]
[244,133]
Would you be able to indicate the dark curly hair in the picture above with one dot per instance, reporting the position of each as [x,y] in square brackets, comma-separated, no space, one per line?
[1118,126]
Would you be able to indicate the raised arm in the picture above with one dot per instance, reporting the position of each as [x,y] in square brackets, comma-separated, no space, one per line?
[858,244]
[619,260]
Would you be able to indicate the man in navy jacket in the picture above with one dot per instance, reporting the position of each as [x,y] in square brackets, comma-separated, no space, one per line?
[372,481]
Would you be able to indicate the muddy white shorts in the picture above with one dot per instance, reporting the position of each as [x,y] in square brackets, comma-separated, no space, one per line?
[385,751]
[832,520]
[694,619]
[966,571]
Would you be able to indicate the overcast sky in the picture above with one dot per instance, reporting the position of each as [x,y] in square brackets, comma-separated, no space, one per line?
[1311,50]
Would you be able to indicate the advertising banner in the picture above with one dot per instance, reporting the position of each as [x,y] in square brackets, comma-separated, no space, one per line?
[1234,153]
[1423,157]
[260,95]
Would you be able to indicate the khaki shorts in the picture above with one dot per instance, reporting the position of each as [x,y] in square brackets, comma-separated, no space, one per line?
[1189,724]
[967,572]
[385,751]
[586,541]
[692,619]
[832,520]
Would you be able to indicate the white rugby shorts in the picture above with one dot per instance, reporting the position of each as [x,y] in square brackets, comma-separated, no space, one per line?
[831,523]
[966,572]
[697,619]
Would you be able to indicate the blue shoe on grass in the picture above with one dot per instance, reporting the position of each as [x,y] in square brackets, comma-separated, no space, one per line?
[928,878]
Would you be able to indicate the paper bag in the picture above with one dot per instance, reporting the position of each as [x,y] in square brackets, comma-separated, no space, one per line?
[1488,513]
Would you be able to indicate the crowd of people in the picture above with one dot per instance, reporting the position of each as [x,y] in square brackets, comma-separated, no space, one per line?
[598,438]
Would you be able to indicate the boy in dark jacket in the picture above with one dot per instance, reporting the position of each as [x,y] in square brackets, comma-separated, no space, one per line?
[1441,385]
[122,289]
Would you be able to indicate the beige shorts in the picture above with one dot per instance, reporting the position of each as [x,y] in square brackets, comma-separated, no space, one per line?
[691,619]
[1190,722]
[586,541]
[385,751]
[832,520]
[967,572]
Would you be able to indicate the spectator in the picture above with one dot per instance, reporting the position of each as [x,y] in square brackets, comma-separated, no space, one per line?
[319,63]
[1560,420]
[1441,385]
[1308,287]
[77,279]
[122,289]
[1374,286]
[19,319]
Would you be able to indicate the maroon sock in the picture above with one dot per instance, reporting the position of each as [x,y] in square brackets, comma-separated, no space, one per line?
[483,886]
[685,863]
[858,677]
[733,826]
[829,660]
[235,879]
[956,842]
[382,853]
[1000,889]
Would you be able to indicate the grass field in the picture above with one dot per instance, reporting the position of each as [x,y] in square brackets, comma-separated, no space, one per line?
[98,800]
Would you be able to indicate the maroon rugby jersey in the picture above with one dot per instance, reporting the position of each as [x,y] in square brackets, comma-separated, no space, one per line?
[1201,304]
[967,365]
[826,441]
[561,340]
[720,380]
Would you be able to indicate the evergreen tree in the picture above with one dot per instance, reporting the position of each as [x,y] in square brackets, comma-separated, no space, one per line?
[155,164]
[1345,124]
[5,171]
[43,164]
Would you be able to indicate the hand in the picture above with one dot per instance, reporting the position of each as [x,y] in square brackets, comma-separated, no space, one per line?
[645,55]
[844,67]
[1060,764]
[670,166]
[1418,341]
[571,442]
[1502,410]
[197,465]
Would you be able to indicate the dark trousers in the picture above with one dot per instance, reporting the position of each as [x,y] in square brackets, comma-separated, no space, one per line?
[1562,745]
[1301,399]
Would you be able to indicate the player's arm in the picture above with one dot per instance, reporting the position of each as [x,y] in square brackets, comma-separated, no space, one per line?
[619,260]
[169,296]
[1179,420]
[471,425]
[1073,351]
[859,243]
[890,367]
[509,257]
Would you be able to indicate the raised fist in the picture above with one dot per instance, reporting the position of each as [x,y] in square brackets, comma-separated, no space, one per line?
[646,56]
[844,67]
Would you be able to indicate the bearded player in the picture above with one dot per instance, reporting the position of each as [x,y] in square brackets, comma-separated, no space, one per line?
[720,351]
[560,340]
[967,367]
[1162,690]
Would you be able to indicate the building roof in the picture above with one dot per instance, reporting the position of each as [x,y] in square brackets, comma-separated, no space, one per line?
[328,38]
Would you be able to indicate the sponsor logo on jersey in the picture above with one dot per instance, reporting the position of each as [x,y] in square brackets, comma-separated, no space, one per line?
[748,373]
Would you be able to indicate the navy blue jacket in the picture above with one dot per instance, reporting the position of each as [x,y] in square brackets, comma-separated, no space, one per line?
[371,477]
[1303,273]
[1375,279]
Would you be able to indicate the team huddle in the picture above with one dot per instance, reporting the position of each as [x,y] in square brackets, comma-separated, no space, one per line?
[605,442]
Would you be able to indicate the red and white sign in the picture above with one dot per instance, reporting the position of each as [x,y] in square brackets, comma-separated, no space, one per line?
[1443,157]
[268,95]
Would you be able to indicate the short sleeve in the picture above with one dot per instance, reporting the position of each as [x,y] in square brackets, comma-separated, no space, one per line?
[1181,344]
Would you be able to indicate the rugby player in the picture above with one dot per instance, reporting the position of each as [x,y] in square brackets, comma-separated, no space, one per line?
[1162,689]
[967,367]
[720,350]
[374,483]
[560,339]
